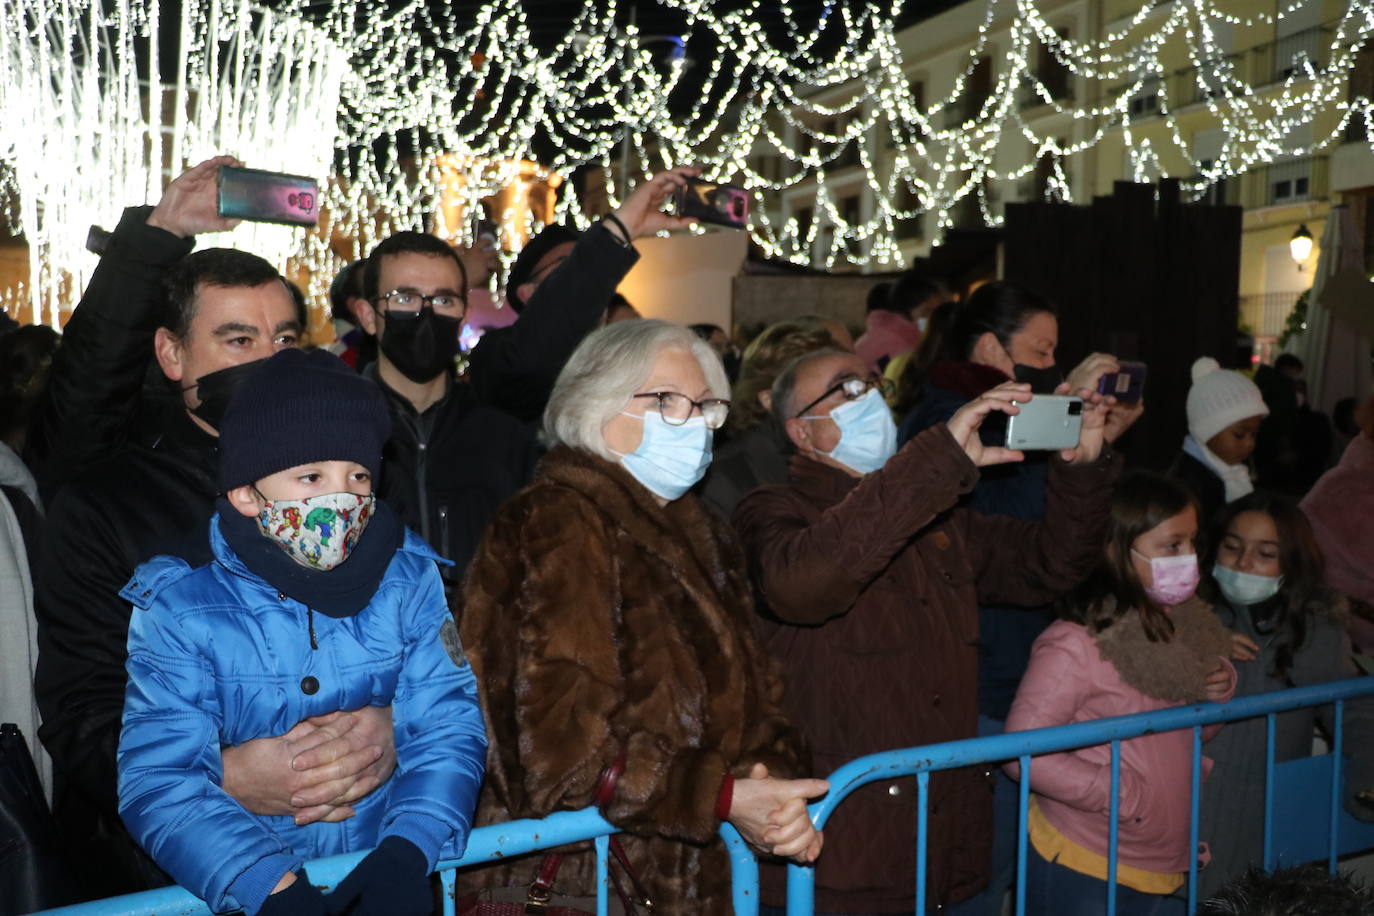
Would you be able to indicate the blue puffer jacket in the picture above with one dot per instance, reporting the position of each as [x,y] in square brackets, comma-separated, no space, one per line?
[218,657]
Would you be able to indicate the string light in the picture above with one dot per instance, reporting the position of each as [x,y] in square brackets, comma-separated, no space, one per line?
[395,100]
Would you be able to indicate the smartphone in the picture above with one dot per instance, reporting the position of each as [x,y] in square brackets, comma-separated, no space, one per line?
[268,197]
[1127,386]
[1046,422]
[712,202]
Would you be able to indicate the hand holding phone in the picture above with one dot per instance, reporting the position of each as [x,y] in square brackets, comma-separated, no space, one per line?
[967,420]
[712,202]
[189,205]
[268,197]
[1126,385]
[1047,422]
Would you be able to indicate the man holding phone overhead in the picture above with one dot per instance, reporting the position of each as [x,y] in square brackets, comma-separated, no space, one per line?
[871,577]
[136,462]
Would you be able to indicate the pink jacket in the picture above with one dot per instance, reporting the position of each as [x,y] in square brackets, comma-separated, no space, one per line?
[1069,681]
[886,335]
[1341,509]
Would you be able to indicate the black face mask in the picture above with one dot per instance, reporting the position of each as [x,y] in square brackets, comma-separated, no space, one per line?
[1042,381]
[421,347]
[216,388]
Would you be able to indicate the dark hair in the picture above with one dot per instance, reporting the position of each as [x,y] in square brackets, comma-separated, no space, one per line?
[212,267]
[408,242]
[766,355]
[1288,361]
[1308,890]
[912,289]
[25,357]
[704,331]
[1304,593]
[879,295]
[1001,308]
[618,302]
[347,284]
[1142,501]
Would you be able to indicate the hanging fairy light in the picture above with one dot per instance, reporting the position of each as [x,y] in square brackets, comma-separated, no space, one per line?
[301,86]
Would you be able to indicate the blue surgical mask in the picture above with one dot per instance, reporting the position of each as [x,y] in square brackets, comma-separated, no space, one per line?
[868,436]
[670,459]
[1244,589]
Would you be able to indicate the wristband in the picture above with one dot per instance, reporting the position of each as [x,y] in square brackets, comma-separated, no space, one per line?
[614,220]
[725,798]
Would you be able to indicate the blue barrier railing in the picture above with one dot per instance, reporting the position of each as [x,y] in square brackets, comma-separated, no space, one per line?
[515,838]
[1023,746]
[486,844]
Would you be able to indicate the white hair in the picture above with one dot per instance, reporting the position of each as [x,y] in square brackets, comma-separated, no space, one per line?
[607,368]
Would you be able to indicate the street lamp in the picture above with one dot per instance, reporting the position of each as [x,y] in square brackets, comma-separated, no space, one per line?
[1300,245]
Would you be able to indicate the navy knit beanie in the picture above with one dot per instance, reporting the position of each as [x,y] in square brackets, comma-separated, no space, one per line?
[296,408]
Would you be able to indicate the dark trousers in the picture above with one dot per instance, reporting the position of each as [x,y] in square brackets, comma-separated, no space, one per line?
[1053,890]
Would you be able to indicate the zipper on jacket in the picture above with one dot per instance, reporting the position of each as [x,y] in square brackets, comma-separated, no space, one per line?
[442,546]
[310,623]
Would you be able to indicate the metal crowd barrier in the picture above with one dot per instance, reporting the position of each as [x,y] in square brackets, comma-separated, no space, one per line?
[486,844]
[1311,831]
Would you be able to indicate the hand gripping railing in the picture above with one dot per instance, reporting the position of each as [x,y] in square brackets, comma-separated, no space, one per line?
[486,844]
[1022,746]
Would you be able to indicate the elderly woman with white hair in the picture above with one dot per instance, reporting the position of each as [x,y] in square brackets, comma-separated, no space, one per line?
[607,617]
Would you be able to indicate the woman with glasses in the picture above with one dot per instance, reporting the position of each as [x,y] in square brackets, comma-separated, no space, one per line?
[608,620]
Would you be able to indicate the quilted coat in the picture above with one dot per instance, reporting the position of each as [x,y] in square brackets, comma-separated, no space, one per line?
[873,587]
[601,623]
[219,657]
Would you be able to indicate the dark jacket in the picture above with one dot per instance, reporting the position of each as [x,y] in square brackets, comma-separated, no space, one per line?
[753,458]
[514,368]
[446,471]
[140,503]
[600,623]
[1005,634]
[875,584]
[93,399]
[1232,819]
[1203,483]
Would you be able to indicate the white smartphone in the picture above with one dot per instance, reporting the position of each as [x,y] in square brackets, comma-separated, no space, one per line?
[1047,422]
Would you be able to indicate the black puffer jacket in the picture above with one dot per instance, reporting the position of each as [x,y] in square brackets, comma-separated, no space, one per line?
[139,503]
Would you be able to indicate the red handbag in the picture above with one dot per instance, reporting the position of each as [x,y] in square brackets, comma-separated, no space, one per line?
[540,892]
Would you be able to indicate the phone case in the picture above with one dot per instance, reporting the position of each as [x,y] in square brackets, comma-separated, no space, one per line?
[1046,422]
[722,204]
[268,197]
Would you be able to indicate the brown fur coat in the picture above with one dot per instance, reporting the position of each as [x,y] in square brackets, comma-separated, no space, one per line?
[600,623]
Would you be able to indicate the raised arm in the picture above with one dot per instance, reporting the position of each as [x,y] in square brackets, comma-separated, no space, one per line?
[813,568]
[107,345]
[514,368]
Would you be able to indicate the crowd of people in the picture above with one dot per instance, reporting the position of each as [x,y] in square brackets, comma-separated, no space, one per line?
[265,602]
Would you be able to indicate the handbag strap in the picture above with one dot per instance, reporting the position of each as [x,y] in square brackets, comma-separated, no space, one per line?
[541,888]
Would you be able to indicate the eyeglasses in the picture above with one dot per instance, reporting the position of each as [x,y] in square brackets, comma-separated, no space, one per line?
[405,300]
[677,408]
[853,388]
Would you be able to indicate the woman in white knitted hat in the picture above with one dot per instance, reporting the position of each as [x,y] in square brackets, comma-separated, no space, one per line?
[1224,413]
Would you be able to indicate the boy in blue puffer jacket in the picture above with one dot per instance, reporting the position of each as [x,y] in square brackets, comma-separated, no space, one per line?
[317,600]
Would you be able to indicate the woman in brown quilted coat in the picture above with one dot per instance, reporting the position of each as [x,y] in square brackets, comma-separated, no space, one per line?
[608,619]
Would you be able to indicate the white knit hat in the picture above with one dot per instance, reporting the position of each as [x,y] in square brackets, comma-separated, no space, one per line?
[1219,398]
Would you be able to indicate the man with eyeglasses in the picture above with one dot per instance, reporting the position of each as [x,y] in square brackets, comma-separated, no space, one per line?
[870,577]
[458,450]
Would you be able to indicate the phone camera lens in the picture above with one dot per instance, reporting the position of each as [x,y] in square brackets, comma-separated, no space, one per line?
[1075,408]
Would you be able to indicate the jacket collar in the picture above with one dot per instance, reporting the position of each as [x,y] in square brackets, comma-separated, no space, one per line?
[680,533]
[964,378]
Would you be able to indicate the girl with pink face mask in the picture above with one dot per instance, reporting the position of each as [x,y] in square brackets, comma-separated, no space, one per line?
[1133,638]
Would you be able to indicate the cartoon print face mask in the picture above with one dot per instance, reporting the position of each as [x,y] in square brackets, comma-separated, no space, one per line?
[318,532]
